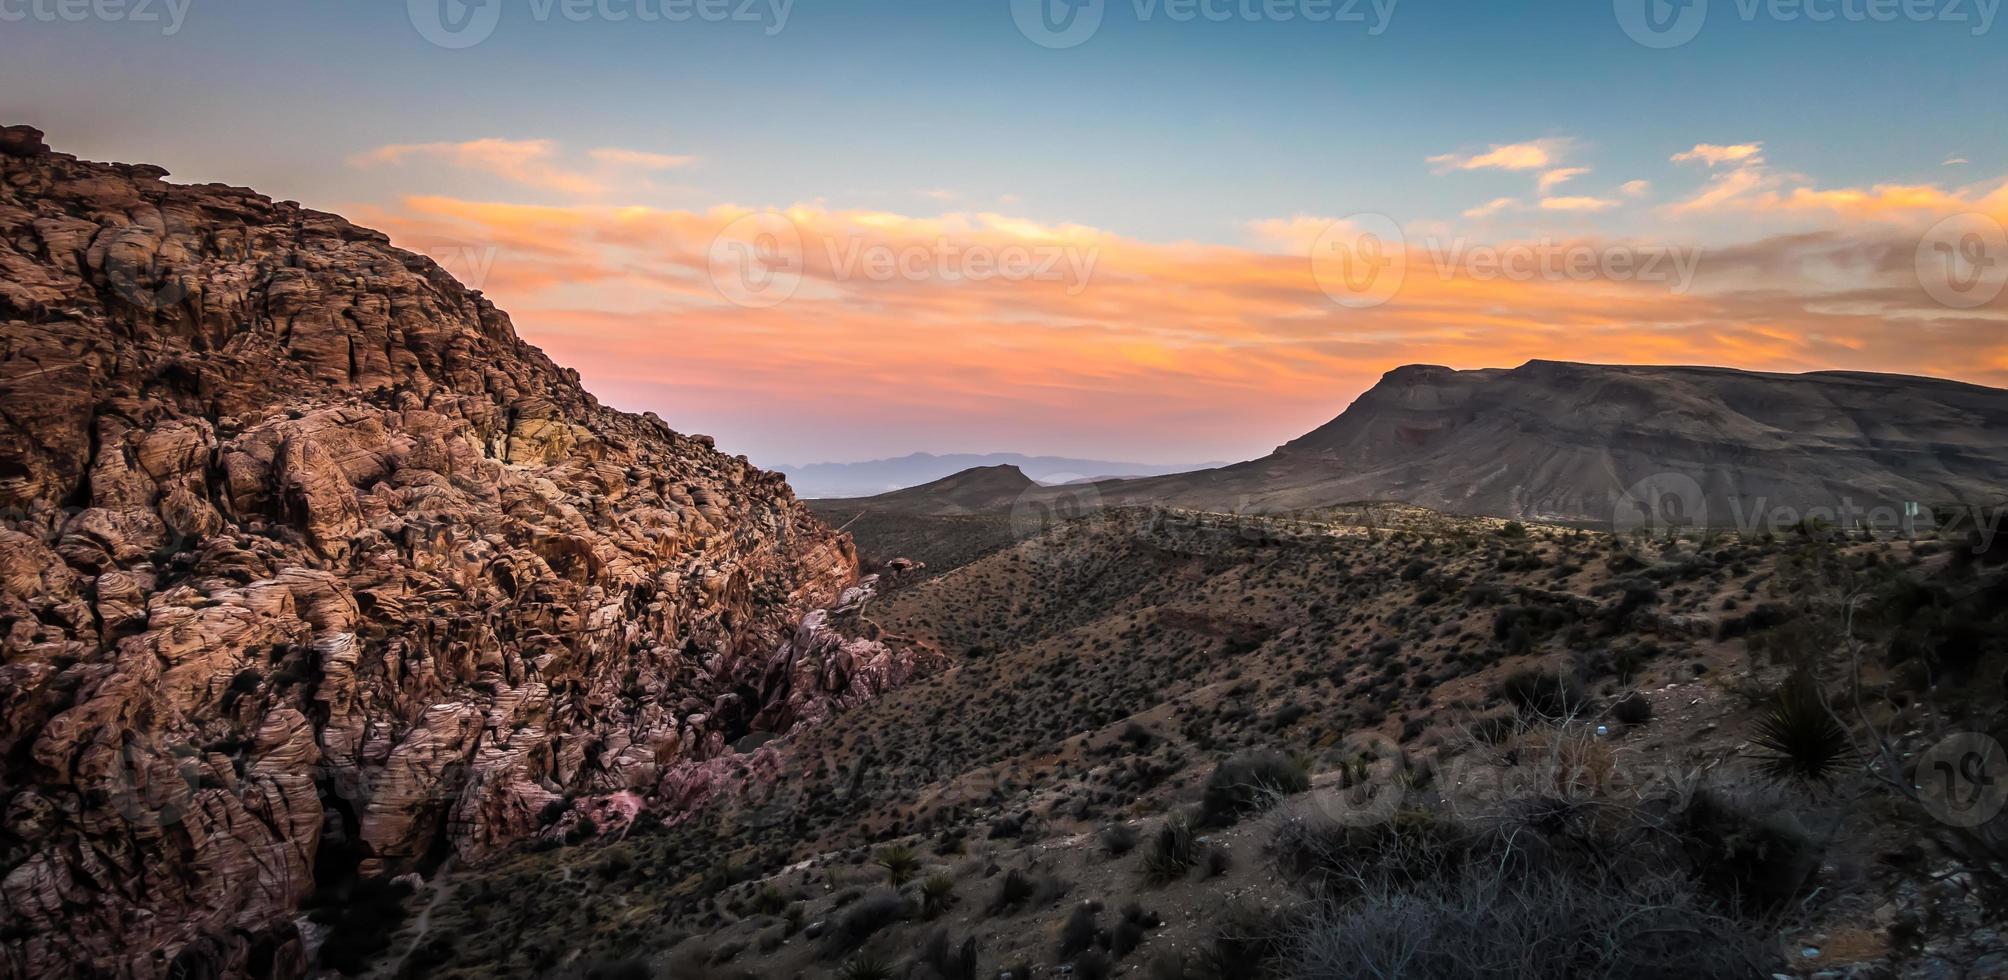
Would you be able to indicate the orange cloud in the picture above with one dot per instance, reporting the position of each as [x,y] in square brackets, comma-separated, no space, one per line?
[1577,204]
[1559,175]
[640,159]
[1748,185]
[1531,155]
[1715,155]
[1178,350]
[1883,200]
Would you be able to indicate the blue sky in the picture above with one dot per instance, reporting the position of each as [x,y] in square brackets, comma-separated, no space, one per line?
[1159,129]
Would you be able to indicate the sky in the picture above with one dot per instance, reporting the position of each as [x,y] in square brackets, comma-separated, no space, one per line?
[1151,230]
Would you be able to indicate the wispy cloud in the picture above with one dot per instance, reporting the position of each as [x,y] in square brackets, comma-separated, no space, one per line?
[533,163]
[1715,155]
[1577,204]
[1744,182]
[1530,155]
[641,159]
[1559,175]
[1492,207]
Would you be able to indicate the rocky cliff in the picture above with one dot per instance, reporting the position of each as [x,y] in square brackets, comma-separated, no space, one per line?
[311,567]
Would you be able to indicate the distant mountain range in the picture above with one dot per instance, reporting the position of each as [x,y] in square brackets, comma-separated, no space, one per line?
[818,480]
[977,490]
[1616,445]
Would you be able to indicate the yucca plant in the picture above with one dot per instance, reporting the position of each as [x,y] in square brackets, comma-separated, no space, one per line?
[900,864]
[1798,738]
[937,893]
[867,966]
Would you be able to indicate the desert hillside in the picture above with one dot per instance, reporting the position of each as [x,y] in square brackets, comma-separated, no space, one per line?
[1195,746]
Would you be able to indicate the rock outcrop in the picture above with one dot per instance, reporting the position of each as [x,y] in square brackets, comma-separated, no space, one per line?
[309,567]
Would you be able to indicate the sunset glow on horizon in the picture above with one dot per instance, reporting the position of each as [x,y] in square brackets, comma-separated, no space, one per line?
[1046,271]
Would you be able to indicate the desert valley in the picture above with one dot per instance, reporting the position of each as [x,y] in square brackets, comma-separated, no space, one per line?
[346,633]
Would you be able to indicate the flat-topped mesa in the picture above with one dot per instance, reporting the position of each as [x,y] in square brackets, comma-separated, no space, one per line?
[312,566]
[1567,441]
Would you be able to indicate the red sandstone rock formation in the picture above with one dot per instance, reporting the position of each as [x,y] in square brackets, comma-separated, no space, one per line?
[307,559]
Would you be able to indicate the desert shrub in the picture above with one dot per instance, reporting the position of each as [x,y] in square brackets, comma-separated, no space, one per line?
[1798,738]
[1014,890]
[552,811]
[1248,782]
[1494,729]
[1137,737]
[1130,930]
[1632,709]
[1550,695]
[1217,860]
[1334,859]
[1766,616]
[947,961]
[1079,931]
[1248,941]
[866,916]
[361,919]
[1288,715]
[1172,850]
[1093,965]
[1748,855]
[1634,594]
[1532,928]
[1119,839]
[1518,627]
[770,900]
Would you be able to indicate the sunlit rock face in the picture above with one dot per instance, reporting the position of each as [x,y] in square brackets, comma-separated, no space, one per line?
[310,565]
